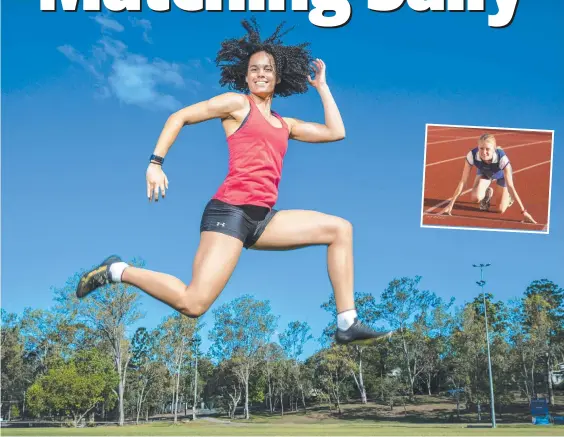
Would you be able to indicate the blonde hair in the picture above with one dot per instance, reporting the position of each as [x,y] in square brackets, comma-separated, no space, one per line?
[488,138]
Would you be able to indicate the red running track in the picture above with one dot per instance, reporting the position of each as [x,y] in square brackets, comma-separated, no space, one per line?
[530,154]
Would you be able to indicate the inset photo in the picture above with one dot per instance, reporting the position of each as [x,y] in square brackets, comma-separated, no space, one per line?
[487,178]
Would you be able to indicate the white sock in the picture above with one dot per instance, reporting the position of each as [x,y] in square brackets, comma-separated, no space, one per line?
[116,270]
[346,319]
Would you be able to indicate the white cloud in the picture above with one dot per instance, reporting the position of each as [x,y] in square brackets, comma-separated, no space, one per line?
[134,81]
[131,77]
[108,23]
[145,25]
[77,57]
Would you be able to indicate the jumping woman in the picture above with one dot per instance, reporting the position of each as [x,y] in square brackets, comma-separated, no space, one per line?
[241,214]
[492,164]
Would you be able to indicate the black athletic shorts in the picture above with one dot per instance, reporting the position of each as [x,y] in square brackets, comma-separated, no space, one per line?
[245,222]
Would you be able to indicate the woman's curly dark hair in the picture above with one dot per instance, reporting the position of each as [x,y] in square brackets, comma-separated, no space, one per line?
[291,62]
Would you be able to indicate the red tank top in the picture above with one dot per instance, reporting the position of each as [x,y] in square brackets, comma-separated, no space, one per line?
[256,152]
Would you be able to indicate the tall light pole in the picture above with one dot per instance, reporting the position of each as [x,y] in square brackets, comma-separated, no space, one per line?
[481,283]
[196,345]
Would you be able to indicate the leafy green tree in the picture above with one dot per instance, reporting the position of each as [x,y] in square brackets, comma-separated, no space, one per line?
[176,335]
[144,367]
[367,310]
[241,329]
[281,380]
[227,386]
[293,340]
[14,370]
[433,326]
[402,305]
[74,388]
[109,312]
[273,353]
[545,318]
[332,371]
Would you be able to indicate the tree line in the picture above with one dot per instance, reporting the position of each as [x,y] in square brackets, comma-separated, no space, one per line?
[80,361]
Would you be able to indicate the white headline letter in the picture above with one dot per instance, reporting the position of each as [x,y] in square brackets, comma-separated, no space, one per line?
[342,15]
[425,5]
[123,5]
[385,5]
[456,5]
[276,5]
[214,5]
[70,5]
[257,5]
[190,5]
[477,5]
[159,5]
[507,10]
[236,5]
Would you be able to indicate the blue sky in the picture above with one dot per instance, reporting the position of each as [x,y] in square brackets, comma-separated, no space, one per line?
[85,96]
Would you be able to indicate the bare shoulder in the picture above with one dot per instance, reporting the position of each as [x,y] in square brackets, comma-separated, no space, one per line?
[227,103]
[230,96]
[222,106]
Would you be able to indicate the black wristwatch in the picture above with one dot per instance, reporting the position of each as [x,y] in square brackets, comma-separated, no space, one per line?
[157,159]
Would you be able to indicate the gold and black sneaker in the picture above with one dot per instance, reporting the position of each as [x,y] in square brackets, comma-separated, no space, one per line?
[97,277]
[360,334]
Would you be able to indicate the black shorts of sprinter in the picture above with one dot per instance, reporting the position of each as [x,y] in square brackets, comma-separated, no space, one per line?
[245,222]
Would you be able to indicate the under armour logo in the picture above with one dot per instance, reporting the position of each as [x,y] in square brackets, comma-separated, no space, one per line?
[220,224]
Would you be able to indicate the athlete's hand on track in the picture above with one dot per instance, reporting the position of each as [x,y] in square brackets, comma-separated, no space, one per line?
[319,69]
[529,217]
[156,180]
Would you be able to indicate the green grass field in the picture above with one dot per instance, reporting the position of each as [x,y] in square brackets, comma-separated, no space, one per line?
[431,416]
[329,427]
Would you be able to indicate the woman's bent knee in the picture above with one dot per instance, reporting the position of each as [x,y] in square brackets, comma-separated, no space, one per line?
[192,307]
[343,229]
[193,311]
